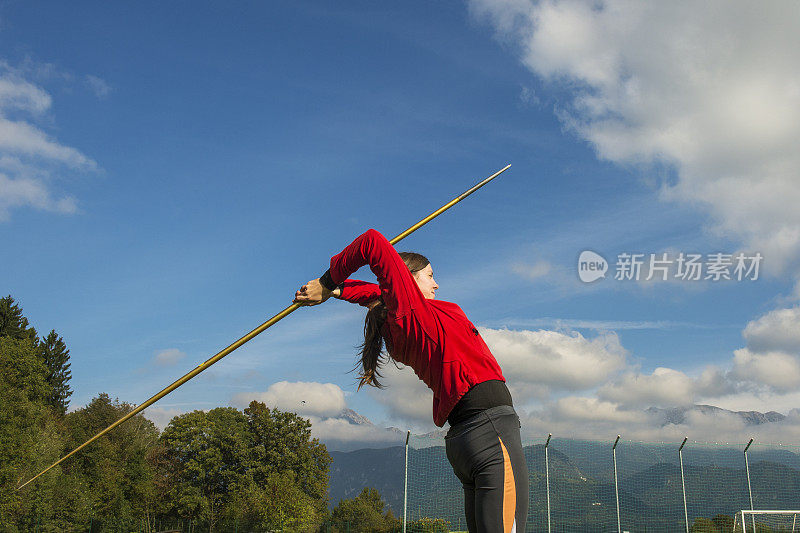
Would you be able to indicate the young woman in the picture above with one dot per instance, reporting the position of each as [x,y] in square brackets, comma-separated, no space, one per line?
[446,351]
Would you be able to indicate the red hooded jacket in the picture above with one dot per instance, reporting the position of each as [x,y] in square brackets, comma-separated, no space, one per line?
[433,337]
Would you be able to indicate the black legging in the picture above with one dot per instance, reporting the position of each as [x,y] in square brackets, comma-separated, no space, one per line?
[486,454]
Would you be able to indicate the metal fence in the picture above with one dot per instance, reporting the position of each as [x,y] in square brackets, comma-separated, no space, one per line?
[622,485]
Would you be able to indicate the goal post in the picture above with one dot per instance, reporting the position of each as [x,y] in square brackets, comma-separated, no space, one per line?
[766,520]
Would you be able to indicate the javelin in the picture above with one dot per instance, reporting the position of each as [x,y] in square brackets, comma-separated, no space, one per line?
[286,312]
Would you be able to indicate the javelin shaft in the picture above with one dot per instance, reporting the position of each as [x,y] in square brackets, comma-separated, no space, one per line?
[286,312]
[447,206]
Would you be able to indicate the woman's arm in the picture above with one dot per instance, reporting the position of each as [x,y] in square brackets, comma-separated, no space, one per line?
[358,292]
[397,287]
[352,290]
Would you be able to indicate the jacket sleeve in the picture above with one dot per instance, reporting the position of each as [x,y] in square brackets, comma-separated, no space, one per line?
[399,290]
[359,292]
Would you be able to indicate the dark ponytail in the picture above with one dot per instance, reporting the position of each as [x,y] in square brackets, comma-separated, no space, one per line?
[372,355]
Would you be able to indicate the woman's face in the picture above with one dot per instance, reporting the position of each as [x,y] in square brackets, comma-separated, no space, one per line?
[425,282]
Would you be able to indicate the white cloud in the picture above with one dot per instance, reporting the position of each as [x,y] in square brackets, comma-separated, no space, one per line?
[760,400]
[580,410]
[31,192]
[713,382]
[406,397]
[169,357]
[712,89]
[584,418]
[534,271]
[771,360]
[301,397]
[617,395]
[98,85]
[537,362]
[778,330]
[778,370]
[593,419]
[324,405]
[613,400]
[664,387]
[16,93]
[341,434]
[27,140]
[28,156]
[527,97]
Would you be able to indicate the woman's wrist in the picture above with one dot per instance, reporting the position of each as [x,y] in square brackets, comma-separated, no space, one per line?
[327,281]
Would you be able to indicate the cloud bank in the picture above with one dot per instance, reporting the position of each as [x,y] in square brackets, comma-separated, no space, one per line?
[580,386]
[711,90]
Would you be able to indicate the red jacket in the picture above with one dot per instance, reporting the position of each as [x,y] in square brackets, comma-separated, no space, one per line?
[434,338]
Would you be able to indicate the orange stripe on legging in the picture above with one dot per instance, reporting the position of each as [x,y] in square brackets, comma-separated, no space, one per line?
[509,492]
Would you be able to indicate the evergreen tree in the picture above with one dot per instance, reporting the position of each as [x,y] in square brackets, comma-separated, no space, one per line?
[29,440]
[55,355]
[12,323]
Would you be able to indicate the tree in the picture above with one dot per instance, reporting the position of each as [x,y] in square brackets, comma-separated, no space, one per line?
[278,505]
[29,440]
[52,350]
[55,356]
[207,453]
[723,522]
[282,443]
[704,525]
[112,478]
[12,323]
[260,466]
[429,525]
[364,513]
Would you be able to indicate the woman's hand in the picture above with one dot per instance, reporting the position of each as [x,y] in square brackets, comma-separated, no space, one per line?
[313,293]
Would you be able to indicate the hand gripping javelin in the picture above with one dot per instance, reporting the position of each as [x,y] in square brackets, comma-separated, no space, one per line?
[286,312]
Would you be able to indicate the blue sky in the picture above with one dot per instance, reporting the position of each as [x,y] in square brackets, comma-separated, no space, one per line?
[172,172]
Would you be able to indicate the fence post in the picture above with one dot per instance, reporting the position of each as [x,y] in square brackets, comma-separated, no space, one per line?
[683,483]
[405,486]
[547,477]
[749,490]
[616,483]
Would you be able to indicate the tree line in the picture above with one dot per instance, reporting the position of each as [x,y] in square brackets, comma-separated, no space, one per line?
[256,469]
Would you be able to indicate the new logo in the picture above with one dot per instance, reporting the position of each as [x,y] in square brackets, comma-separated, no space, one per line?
[591,266]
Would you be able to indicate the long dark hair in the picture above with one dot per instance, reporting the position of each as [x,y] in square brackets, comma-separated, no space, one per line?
[371,351]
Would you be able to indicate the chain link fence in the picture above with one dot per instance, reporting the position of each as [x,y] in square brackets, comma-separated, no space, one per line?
[656,486]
